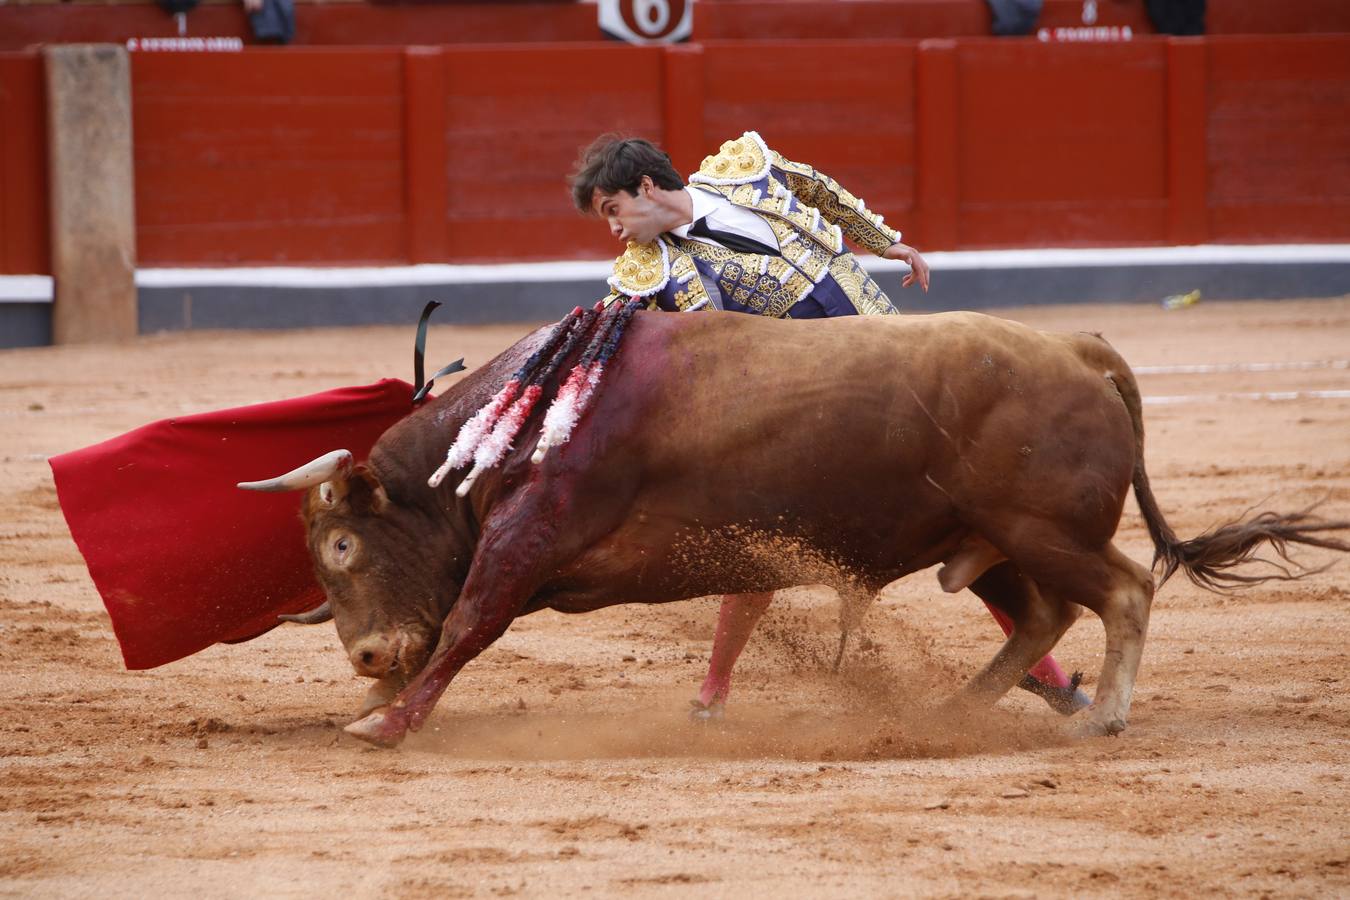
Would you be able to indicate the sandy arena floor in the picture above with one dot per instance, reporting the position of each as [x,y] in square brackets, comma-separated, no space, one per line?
[560,763]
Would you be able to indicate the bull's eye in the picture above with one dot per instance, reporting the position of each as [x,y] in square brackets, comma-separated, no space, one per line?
[341,549]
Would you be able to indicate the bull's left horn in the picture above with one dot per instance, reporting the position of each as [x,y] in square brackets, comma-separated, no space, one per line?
[316,616]
[308,475]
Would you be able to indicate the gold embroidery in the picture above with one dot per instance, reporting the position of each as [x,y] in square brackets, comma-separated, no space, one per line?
[691,290]
[642,270]
[736,162]
[713,253]
[681,266]
[738,274]
[837,205]
[867,298]
[810,257]
[786,209]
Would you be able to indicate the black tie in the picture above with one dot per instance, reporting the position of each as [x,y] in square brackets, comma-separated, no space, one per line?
[730,239]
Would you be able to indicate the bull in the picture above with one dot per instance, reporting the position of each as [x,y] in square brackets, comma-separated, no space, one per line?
[886,445]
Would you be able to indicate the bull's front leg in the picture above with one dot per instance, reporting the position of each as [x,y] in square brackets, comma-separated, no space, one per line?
[469,629]
[497,588]
[382,693]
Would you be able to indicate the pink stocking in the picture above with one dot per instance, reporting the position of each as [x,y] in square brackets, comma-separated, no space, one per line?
[735,621]
[1047,671]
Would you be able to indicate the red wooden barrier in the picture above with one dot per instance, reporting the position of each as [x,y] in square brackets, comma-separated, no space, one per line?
[1187,179]
[269,156]
[938,120]
[453,153]
[854,122]
[24,224]
[517,118]
[426,181]
[1062,145]
[1279,139]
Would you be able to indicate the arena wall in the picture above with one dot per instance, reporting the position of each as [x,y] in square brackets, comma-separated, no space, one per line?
[453,154]
[24,222]
[386,156]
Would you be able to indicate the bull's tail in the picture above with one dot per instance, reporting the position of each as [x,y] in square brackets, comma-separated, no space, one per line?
[1208,560]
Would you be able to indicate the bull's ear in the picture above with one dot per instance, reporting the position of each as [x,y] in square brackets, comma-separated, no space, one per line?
[333,492]
[370,483]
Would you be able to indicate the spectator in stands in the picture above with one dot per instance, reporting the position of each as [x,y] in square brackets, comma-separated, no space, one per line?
[272,21]
[1177,16]
[1013,17]
[752,232]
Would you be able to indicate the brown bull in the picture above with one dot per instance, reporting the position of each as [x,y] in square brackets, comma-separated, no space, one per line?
[887,445]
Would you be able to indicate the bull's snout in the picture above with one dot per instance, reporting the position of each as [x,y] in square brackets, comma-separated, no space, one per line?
[377,656]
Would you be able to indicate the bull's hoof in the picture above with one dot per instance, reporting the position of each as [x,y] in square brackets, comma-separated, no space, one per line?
[703,713]
[381,693]
[379,729]
[1064,700]
[1092,726]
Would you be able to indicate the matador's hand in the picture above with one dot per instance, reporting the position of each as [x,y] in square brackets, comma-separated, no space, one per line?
[918,269]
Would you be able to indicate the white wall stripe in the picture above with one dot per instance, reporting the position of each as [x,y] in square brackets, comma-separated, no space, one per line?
[1253,395]
[30,288]
[25,289]
[1212,368]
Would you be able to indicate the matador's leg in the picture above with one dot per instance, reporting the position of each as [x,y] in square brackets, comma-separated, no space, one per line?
[736,619]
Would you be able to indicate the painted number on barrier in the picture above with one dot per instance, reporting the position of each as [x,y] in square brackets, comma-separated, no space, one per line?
[647,21]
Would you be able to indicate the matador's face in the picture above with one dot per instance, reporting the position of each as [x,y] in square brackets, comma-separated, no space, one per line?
[632,217]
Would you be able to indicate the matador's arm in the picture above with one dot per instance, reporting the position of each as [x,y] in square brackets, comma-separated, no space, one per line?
[837,205]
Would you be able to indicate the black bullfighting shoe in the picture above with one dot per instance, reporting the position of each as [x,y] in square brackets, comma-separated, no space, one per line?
[1064,700]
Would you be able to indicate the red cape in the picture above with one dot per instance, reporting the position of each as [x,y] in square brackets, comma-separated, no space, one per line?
[182,558]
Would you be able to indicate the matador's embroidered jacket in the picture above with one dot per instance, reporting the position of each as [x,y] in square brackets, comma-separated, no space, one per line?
[814,276]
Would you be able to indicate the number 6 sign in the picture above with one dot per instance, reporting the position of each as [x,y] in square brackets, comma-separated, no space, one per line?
[647,21]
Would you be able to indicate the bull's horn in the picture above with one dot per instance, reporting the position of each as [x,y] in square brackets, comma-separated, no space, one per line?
[316,616]
[308,475]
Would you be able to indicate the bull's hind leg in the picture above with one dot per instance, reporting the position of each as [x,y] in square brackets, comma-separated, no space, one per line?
[1120,592]
[1039,621]
[1003,588]
[1124,608]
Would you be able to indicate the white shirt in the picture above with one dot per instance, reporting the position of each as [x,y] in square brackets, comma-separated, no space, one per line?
[724,215]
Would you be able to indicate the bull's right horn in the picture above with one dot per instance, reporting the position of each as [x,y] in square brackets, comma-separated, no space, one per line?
[316,616]
[308,475]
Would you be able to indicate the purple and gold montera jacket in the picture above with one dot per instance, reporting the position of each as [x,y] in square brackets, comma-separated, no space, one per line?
[813,276]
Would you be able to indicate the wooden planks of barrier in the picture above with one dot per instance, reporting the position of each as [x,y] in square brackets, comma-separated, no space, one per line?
[389,156]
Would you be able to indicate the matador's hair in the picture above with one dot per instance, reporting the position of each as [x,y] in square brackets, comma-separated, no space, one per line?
[612,163]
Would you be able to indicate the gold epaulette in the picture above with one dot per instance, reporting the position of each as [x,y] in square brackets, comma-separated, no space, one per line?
[745,159]
[642,270]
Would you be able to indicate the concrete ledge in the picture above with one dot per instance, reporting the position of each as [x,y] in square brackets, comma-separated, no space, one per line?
[25,323]
[185,299]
